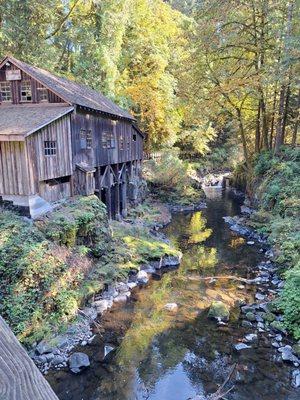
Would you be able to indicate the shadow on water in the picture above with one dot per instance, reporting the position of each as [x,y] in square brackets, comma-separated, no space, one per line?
[162,355]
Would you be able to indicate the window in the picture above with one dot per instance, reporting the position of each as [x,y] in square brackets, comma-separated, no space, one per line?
[134,137]
[86,139]
[5,91]
[50,148]
[89,139]
[122,141]
[108,140]
[26,91]
[43,94]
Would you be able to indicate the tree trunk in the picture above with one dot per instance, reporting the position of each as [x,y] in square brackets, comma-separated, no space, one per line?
[284,91]
[257,132]
[279,128]
[295,131]
[243,137]
[273,119]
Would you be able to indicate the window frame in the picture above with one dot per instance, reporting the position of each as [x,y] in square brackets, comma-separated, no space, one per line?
[50,148]
[44,91]
[28,90]
[6,91]
[108,140]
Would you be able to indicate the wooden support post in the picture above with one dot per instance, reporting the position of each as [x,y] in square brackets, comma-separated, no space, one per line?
[20,378]
[108,197]
[117,192]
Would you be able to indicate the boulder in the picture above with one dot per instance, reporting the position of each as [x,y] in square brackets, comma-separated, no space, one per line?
[251,337]
[250,316]
[101,305]
[78,362]
[170,261]
[57,360]
[43,348]
[142,278]
[218,310]
[277,326]
[131,285]
[241,346]
[122,298]
[296,378]
[246,324]
[287,354]
[171,307]
[259,296]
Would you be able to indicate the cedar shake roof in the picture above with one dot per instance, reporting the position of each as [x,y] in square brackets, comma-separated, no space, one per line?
[19,121]
[71,91]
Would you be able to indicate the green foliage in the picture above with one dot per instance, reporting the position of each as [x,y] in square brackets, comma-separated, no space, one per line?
[170,179]
[290,300]
[49,268]
[278,189]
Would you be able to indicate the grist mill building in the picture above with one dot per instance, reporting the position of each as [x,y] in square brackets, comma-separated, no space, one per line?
[59,138]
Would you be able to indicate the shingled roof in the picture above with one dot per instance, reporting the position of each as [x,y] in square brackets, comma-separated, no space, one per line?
[70,91]
[19,121]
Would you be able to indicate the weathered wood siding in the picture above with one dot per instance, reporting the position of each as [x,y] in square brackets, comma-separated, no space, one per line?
[35,86]
[98,155]
[14,178]
[20,379]
[46,167]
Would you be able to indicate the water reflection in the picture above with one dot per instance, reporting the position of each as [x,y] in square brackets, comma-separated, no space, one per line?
[163,355]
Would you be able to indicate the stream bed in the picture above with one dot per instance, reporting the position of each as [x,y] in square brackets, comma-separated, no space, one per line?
[149,352]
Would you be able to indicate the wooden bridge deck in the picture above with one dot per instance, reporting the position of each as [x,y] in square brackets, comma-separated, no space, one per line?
[20,379]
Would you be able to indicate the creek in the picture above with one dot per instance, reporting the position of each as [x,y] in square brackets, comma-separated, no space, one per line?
[160,354]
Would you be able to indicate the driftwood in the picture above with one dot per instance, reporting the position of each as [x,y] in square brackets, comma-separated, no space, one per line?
[221,392]
[219,277]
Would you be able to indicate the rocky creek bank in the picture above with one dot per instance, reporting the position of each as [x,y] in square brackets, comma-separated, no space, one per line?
[263,318]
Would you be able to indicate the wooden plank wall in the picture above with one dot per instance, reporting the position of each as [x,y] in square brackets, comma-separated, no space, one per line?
[35,85]
[20,379]
[14,179]
[99,156]
[54,166]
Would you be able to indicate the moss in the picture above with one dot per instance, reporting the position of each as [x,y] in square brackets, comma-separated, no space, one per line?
[219,310]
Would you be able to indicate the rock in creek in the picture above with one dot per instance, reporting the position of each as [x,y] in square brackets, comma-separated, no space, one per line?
[142,277]
[287,354]
[171,307]
[219,311]
[43,348]
[78,361]
[251,337]
[241,346]
[296,378]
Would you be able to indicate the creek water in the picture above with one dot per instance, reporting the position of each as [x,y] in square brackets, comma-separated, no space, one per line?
[160,355]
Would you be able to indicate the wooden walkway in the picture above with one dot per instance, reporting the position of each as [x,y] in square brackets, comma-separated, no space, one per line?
[20,379]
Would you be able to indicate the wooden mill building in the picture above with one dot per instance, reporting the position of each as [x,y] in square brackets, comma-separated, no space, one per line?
[59,138]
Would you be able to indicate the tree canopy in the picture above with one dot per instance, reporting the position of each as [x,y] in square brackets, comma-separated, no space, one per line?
[188,70]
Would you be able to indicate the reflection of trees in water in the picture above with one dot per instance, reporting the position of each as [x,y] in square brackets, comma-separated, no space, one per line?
[198,232]
[157,340]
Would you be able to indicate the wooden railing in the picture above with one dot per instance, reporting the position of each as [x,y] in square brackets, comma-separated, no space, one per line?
[20,378]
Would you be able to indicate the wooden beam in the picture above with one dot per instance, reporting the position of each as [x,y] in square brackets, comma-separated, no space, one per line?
[20,378]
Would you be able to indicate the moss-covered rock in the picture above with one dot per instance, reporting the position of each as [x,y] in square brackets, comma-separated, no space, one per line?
[219,310]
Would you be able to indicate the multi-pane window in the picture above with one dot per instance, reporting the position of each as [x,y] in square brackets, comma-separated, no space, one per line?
[108,140]
[50,148]
[122,141]
[43,94]
[89,139]
[5,91]
[86,139]
[26,91]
